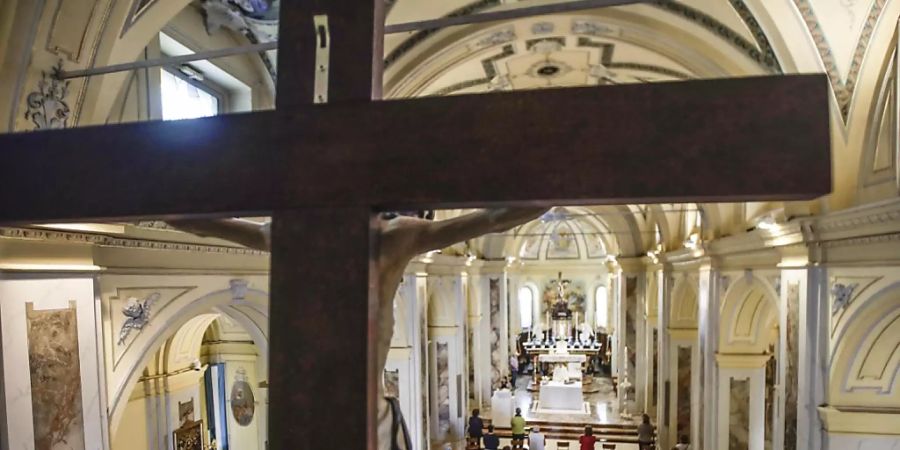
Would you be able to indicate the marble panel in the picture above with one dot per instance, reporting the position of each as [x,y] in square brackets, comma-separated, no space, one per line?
[771,381]
[55,368]
[739,415]
[683,393]
[497,362]
[631,330]
[470,358]
[654,383]
[792,365]
[443,382]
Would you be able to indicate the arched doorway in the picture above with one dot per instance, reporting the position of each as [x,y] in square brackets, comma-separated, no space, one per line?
[748,343]
[206,381]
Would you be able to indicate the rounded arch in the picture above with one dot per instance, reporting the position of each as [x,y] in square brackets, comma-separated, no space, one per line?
[684,308]
[251,312]
[865,367]
[526,296]
[120,43]
[748,313]
[601,306]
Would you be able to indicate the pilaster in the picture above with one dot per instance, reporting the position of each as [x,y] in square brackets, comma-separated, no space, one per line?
[664,381]
[703,421]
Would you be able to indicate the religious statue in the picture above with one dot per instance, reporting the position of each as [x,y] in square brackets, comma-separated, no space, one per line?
[401,238]
[561,307]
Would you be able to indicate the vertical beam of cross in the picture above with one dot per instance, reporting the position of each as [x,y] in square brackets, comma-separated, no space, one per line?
[323,288]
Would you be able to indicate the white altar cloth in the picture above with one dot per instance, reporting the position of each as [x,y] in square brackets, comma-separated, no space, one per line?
[555,395]
[566,358]
[501,408]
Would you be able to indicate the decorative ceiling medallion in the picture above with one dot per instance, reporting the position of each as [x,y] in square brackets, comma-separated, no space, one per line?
[542,28]
[592,28]
[497,38]
[549,69]
[548,45]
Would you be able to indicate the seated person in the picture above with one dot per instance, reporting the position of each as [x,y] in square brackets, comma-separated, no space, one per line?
[491,441]
[683,443]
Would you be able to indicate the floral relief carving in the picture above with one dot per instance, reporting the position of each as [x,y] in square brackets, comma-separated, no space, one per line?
[842,293]
[47,108]
[138,315]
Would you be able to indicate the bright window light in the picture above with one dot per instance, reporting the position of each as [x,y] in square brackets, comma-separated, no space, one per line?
[602,308]
[182,100]
[526,304]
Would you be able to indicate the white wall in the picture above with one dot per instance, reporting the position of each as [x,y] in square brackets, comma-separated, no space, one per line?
[45,292]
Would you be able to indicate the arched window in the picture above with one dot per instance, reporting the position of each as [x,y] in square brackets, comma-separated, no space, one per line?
[600,300]
[526,305]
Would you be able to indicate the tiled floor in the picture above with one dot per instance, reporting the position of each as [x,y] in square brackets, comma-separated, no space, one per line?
[603,411]
[552,444]
[603,405]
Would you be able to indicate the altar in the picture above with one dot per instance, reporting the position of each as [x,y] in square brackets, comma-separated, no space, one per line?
[556,395]
[571,362]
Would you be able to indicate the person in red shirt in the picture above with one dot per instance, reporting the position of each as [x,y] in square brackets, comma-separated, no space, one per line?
[588,440]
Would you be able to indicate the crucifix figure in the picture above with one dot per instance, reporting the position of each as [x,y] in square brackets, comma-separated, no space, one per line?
[401,238]
[322,171]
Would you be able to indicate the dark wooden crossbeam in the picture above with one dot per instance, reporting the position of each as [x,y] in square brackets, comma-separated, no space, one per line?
[725,140]
[321,171]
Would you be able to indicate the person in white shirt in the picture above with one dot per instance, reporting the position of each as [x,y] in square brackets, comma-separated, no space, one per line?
[536,440]
[683,443]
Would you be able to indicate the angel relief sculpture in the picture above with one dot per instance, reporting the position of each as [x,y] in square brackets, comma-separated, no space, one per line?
[137,313]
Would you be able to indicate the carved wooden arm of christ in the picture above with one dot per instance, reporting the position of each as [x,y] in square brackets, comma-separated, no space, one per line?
[416,235]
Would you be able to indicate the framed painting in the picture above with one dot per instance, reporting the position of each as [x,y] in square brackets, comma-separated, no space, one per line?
[189,436]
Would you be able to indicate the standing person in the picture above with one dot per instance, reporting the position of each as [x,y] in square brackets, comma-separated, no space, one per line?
[491,441]
[683,443]
[513,370]
[536,440]
[518,429]
[645,434]
[476,427]
[588,440]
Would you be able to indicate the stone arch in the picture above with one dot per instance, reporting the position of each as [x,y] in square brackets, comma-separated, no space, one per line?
[748,312]
[118,46]
[251,312]
[865,367]
[683,313]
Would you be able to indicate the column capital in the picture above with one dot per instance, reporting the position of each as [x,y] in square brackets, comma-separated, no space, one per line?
[742,361]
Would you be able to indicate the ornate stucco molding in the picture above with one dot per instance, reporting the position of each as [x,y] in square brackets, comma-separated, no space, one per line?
[47,107]
[110,241]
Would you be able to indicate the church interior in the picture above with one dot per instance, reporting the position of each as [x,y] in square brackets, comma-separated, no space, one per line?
[743,325]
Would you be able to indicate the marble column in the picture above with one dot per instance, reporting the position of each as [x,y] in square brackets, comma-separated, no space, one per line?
[664,288]
[803,349]
[406,371]
[684,388]
[447,332]
[741,402]
[641,366]
[703,434]
[617,290]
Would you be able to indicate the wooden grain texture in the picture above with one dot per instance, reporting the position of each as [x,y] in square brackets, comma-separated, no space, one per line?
[321,373]
[764,138]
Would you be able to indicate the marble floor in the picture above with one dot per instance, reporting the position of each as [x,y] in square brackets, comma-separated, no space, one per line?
[552,444]
[603,411]
[603,405]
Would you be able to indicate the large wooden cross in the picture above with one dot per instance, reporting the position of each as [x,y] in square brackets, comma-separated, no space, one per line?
[322,170]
